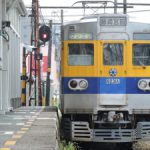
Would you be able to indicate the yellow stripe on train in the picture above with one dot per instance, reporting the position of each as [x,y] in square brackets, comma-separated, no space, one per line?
[98,69]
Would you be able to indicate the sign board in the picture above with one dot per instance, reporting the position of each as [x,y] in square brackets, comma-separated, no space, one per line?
[113,21]
[80,36]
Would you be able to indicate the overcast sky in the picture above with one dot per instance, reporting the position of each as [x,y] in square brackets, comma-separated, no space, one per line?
[69,14]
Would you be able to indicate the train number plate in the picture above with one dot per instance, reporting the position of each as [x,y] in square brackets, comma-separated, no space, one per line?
[112,81]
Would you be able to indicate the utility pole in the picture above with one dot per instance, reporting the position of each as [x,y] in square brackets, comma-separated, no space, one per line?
[125,6]
[23,95]
[62,38]
[38,54]
[62,22]
[49,67]
[115,7]
[33,41]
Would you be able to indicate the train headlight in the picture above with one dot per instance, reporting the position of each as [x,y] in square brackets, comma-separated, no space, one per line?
[142,84]
[83,84]
[78,84]
[73,84]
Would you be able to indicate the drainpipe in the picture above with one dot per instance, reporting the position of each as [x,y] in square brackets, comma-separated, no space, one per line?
[1,54]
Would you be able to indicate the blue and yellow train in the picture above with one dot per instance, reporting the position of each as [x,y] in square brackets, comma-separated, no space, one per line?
[105,73]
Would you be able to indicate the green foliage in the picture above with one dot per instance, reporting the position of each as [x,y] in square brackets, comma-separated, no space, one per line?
[67,146]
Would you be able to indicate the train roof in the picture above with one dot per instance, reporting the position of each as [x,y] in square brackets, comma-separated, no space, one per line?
[107,27]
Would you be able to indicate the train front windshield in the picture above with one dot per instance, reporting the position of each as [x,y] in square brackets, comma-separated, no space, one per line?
[113,54]
[141,54]
[81,54]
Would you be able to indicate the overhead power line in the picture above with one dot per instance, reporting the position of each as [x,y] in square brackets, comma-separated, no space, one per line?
[139,11]
[70,7]
[135,4]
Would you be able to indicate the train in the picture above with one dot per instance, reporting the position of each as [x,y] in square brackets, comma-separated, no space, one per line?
[105,79]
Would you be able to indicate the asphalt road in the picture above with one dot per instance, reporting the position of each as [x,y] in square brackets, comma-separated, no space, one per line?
[28,128]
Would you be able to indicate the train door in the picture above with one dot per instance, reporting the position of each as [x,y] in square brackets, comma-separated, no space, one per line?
[113,73]
[138,71]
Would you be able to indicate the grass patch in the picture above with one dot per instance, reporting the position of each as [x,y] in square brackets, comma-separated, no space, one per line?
[67,146]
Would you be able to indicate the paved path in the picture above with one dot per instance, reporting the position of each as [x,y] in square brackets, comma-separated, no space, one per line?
[29,128]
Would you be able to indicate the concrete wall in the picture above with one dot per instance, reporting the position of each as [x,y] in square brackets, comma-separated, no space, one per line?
[10,84]
[1,47]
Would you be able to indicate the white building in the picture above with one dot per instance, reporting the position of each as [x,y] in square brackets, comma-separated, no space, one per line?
[10,83]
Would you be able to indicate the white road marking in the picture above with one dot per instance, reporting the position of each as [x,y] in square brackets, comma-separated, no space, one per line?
[19,124]
[20,112]
[37,114]
[29,122]
[5,124]
[15,118]
[32,112]
[9,133]
[46,118]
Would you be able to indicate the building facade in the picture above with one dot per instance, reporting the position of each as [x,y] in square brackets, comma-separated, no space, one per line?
[10,83]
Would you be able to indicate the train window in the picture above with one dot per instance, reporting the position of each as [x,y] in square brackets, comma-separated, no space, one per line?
[113,54]
[81,54]
[141,54]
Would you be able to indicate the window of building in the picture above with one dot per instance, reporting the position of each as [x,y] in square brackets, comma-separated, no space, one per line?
[141,54]
[81,54]
[113,54]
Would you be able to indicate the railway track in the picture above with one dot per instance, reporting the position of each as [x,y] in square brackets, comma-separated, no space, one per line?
[100,146]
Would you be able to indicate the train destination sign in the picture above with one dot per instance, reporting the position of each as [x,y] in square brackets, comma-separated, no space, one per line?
[80,36]
[113,21]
